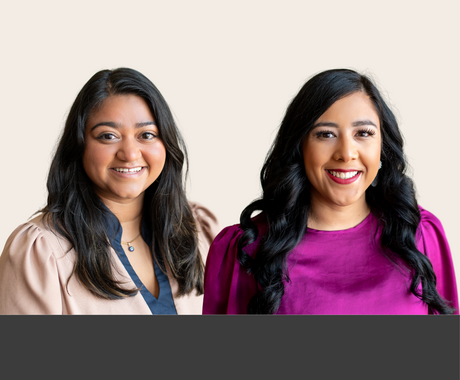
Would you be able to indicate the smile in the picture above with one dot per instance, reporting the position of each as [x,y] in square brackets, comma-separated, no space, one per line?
[343,178]
[343,175]
[126,170]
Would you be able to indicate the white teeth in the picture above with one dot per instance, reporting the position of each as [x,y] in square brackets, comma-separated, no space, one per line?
[126,170]
[343,175]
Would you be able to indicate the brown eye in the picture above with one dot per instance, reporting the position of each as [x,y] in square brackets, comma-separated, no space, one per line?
[324,134]
[107,136]
[148,136]
[366,133]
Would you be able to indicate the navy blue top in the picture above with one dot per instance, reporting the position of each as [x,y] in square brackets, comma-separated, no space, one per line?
[164,304]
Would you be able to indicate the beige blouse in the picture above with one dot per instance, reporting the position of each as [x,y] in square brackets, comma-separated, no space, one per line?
[36,264]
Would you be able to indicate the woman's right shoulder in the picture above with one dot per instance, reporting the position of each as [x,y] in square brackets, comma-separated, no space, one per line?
[224,277]
[228,234]
[232,234]
[38,236]
[224,246]
[226,242]
[29,273]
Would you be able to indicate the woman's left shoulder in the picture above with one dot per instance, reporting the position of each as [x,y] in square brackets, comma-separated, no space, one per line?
[432,241]
[428,217]
[430,228]
[205,218]
[207,226]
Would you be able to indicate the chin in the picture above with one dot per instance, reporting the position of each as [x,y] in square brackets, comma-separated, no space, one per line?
[347,201]
[131,196]
[127,195]
[343,200]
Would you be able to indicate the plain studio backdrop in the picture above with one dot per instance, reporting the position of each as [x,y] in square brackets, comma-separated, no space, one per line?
[228,70]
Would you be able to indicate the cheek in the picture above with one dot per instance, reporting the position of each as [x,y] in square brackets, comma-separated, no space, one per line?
[373,158]
[313,161]
[156,156]
[95,157]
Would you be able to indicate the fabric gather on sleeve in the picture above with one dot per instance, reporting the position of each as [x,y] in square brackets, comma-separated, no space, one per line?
[29,279]
[228,288]
[207,226]
[432,241]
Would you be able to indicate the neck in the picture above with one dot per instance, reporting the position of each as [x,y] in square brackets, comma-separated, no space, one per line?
[129,215]
[326,217]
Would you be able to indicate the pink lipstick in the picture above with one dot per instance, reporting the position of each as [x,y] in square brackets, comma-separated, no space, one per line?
[343,181]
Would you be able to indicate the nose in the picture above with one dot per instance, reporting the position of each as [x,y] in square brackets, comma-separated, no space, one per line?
[129,150]
[346,149]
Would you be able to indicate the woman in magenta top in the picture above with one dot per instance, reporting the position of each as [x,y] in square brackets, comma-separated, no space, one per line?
[339,230]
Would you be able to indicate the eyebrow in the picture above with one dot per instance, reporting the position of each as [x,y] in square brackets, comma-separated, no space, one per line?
[358,123]
[115,125]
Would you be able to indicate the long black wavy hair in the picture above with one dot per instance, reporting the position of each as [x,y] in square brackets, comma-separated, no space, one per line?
[77,213]
[285,200]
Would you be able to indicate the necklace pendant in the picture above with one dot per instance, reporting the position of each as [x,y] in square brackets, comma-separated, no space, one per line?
[128,243]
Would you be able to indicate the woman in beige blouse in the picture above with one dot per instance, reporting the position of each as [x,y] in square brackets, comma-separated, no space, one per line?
[117,235]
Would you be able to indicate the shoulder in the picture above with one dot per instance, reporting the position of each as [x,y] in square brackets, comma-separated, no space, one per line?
[228,286]
[36,236]
[227,240]
[223,250]
[29,274]
[428,218]
[430,230]
[432,241]
[33,244]
[224,247]
[228,235]
[207,227]
[431,238]
[206,220]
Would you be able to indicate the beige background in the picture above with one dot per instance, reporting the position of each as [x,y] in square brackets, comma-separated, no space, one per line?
[228,71]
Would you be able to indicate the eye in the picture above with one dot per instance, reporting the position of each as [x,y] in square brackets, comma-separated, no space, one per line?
[365,132]
[324,134]
[107,136]
[148,136]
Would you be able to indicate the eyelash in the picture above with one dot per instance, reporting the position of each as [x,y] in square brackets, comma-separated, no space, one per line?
[149,133]
[369,131]
[321,134]
[104,136]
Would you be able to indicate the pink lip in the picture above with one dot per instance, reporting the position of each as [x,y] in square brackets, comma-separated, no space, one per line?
[343,181]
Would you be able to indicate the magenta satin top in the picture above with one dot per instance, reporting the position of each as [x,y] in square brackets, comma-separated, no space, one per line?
[332,272]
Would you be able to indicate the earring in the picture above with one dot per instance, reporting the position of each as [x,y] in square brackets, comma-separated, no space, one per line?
[376,179]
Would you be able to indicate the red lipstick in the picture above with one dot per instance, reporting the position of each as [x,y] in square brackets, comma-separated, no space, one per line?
[343,181]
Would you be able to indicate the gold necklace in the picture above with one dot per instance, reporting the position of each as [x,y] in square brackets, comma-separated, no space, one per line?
[130,247]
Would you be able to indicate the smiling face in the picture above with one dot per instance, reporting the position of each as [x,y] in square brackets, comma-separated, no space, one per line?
[123,152]
[342,152]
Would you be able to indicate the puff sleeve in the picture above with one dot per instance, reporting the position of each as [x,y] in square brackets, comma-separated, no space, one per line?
[29,280]
[207,225]
[228,287]
[432,241]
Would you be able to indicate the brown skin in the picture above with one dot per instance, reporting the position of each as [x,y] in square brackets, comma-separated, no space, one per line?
[350,141]
[122,134]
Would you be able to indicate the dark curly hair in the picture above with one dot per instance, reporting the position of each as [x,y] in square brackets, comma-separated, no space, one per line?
[286,199]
